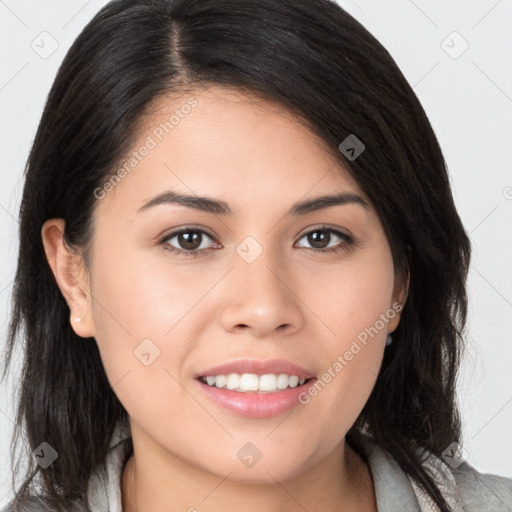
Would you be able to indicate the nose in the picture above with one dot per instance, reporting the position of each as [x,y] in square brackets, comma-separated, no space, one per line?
[261,294]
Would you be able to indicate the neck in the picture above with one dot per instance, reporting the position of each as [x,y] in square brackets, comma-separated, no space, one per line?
[342,481]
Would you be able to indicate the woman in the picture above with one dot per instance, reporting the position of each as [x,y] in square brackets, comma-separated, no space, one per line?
[241,278]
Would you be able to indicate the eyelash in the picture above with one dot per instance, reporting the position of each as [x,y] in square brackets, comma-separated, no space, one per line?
[345,246]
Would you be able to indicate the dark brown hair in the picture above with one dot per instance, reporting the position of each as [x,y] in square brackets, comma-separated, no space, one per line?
[319,62]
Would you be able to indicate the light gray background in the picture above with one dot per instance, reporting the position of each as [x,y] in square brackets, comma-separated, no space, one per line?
[468,99]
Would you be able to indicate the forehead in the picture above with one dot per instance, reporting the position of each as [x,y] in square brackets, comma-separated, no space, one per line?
[227,144]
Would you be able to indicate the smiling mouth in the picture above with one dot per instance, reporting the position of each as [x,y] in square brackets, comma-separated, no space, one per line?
[253,383]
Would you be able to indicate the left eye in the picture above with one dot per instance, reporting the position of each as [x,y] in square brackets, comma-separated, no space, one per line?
[319,242]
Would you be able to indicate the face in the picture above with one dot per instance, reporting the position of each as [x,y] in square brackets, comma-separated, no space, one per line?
[314,288]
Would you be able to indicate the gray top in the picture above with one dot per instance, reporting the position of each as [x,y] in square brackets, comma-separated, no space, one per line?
[465,489]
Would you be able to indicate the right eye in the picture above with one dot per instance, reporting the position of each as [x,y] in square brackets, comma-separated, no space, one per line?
[189,241]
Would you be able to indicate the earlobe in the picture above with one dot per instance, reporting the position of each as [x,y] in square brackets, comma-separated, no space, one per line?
[67,269]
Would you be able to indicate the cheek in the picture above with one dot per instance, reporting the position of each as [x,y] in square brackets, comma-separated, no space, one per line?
[349,298]
[133,309]
[351,302]
[141,337]
[145,305]
[139,298]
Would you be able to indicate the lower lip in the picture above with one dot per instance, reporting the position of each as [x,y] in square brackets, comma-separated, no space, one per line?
[256,405]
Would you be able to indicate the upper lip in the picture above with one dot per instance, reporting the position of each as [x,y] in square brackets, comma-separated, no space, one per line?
[258,367]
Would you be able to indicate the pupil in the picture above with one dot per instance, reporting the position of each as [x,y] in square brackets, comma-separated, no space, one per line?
[186,240]
[314,239]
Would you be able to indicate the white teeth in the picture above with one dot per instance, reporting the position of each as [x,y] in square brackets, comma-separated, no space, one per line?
[233,381]
[250,382]
[282,381]
[220,381]
[268,382]
[294,381]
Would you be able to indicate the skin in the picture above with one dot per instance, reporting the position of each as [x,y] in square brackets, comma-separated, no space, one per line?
[293,302]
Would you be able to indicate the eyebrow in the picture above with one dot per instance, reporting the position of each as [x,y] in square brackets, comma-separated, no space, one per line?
[217,207]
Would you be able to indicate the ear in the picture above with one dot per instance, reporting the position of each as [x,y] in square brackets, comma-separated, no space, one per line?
[398,299]
[72,280]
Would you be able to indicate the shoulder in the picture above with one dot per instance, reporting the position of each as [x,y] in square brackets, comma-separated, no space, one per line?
[468,489]
[481,492]
[104,491]
[464,487]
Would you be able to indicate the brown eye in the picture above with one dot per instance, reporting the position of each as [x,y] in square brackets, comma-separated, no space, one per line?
[186,241]
[190,240]
[320,238]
